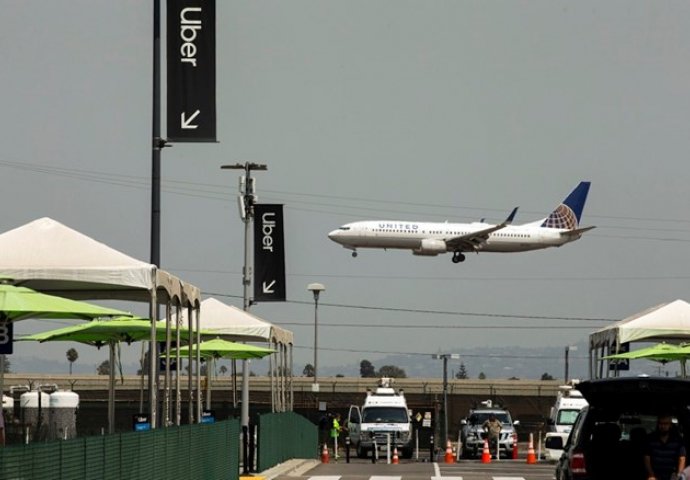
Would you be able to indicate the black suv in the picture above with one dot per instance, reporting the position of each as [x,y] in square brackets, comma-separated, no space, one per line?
[608,438]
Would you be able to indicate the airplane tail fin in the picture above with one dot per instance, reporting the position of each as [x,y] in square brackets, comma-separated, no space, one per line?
[567,214]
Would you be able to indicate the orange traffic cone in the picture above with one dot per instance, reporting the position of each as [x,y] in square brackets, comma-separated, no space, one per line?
[486,455]
[395,456]
[531,456]
[324,454]
[449,453]
[515,446]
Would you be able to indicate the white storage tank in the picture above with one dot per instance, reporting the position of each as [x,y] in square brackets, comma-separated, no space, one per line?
[34,406]
[7,410]
[63,414]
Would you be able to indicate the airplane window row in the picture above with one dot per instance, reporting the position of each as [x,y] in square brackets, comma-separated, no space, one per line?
[441,232]
[513,235]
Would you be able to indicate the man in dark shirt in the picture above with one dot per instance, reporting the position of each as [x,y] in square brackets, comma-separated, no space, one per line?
[665,454]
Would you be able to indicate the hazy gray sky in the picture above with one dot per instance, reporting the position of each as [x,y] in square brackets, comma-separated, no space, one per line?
[411,110]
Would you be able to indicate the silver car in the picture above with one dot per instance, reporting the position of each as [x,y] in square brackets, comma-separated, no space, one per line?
[472,433]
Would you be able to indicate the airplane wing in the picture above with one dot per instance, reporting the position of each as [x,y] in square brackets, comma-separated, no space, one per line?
[475,240]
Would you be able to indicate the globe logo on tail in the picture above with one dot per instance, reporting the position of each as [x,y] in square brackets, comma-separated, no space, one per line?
[562,217]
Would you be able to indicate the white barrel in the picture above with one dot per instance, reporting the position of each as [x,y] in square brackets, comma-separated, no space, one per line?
[63,414]
[30,399]
[35,422]
[64,399]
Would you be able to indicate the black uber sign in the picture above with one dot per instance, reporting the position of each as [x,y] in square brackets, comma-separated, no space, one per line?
[191,62]
[269,253]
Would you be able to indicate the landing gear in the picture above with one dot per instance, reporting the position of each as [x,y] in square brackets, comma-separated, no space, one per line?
[458,257]
[354,254]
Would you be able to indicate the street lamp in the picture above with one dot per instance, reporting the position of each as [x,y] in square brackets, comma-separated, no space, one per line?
[316,289]
[247,200]
[445,357]
[567,350]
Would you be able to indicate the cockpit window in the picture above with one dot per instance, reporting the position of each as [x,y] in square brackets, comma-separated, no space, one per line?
[344,228]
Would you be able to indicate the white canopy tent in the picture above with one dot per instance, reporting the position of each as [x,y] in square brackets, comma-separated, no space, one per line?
[232,323]
[50,257]
[669,322]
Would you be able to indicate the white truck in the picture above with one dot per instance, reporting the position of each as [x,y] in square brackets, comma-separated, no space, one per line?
[382,422]
[562,416]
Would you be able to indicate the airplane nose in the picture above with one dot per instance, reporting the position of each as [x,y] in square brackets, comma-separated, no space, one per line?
[333,234]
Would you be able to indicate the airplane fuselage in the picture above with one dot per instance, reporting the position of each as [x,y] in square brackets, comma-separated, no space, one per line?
[410,235]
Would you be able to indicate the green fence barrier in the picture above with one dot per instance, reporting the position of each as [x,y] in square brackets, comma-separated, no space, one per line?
[283,436]
[204,452]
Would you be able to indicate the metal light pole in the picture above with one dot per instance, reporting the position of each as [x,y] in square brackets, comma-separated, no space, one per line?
[247,199]
[445,357]
[316,289]
[567,350]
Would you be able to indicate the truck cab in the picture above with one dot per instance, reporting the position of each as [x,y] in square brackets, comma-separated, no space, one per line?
[383,420]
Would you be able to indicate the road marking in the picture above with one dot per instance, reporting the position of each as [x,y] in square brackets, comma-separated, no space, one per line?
[437,471]
[325,477]
[446,478]
[509,478]
[384,477]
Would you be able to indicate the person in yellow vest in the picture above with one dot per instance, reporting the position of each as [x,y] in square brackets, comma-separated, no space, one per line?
[336,428]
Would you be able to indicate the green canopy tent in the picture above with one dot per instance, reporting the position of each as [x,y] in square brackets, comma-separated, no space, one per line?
[219,348]
[106,332]
[660,352]
[21,303]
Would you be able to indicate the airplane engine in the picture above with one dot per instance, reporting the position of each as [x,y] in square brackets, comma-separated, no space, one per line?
[430,247]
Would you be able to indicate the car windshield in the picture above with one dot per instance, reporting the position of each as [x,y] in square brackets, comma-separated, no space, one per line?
[567,416]
[478,418]
[384,414]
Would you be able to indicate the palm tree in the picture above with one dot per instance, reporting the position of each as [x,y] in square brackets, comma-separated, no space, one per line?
[72,356]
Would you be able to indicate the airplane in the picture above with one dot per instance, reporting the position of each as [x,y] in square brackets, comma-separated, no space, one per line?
[430,239]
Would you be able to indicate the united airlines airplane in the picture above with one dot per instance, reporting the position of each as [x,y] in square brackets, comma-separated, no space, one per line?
[430,239]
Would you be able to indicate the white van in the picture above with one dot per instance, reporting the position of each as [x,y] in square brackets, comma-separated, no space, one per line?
[562,415]
[383,420]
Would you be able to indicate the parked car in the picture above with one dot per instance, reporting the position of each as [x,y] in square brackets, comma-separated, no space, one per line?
[608,438]
[472,432]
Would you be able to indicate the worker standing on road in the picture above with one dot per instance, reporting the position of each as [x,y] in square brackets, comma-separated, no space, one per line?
[335,433]
[493,429]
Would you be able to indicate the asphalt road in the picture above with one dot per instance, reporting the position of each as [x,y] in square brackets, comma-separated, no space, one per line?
[360,469]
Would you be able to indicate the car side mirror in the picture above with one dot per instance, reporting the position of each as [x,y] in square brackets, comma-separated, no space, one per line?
[463,421]
[554,443]
[516,423]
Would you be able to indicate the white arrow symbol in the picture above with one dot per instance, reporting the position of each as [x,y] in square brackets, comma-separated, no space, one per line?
[186,122]
[269,288]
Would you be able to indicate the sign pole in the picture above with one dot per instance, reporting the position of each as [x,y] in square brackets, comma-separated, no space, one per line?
[247,199]
[157,145]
